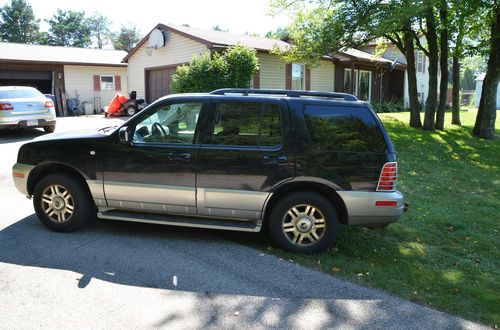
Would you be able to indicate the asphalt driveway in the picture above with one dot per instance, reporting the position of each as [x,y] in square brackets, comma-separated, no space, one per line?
[126,275]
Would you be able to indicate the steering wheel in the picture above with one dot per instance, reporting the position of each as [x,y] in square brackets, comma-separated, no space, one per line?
[158,128]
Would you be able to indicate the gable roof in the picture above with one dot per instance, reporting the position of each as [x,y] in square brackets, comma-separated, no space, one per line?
[15,52]
[215,39]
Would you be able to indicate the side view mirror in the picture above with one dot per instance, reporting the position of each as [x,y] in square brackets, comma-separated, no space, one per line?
[123,135]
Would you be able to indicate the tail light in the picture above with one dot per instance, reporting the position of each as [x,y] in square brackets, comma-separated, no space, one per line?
[388,177]
[49,104]
[6,106]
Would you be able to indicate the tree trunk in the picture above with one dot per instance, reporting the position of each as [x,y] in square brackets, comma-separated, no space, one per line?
[455,115]
[486,115]
[409,52]
[430,104]
[443,64]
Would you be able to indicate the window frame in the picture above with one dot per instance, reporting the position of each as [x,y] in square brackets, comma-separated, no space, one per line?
[198,131]
[420,61]
[303,80]
[370,74]
[101,82]
[210,127]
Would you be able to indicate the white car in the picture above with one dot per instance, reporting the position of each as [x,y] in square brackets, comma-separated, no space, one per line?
[22,107]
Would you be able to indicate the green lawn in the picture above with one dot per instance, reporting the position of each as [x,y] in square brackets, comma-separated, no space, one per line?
[444,252]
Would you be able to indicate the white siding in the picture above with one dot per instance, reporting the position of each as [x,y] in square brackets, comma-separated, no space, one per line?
[79,83]
[272,71]
[322,77]
[479,90]
[177,50]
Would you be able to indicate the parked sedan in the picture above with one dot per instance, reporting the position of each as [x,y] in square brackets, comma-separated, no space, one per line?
[22,107]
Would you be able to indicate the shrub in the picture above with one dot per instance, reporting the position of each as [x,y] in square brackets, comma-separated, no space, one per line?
[390,105]
[233,68]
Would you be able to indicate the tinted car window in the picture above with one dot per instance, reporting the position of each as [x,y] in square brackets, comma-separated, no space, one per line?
[20,94]
[169,123]
[247,124]
[343,129]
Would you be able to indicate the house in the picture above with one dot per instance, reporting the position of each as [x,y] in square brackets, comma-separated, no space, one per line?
[372,78]
[479,89]
[92,76]
[391,52]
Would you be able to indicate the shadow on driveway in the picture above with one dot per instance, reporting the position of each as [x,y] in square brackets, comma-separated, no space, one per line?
[19,135]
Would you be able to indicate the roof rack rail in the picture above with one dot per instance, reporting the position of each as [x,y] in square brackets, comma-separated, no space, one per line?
[289,93]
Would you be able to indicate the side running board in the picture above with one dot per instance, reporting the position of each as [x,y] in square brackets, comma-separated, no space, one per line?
[182,221]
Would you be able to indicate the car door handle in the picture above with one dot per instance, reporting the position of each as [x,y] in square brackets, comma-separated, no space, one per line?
[268,160]
[179,156]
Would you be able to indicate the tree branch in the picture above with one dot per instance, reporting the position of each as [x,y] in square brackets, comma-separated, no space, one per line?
[419,44]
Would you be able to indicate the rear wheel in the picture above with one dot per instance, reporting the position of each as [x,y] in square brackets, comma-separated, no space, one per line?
[130,111]
[62,203]
[49,129]
[304,222]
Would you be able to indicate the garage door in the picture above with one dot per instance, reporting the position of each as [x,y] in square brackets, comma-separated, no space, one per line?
[41,80]
[158,83]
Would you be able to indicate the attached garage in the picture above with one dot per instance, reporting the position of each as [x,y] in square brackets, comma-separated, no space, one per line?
[65,72]
[158,82]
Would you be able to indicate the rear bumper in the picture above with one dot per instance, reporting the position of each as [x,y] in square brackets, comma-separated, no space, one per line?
[361,208]
[22,121]
[20,174]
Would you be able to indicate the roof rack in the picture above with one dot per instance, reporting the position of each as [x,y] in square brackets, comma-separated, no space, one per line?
[289,93]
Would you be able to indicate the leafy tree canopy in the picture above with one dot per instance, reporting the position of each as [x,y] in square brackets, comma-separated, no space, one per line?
[69,28]
[99,27]
[18,23]
[126,39]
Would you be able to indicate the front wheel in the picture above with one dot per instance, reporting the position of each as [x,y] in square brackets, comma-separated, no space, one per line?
[62,203]
[304,222]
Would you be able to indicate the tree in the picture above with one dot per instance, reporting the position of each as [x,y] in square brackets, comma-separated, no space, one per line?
[99,26]
[18,23]
[486,115]
[280,33]
[126,39]
[335,25]
[69,28]
[232,69]
[218,28]
[443,63]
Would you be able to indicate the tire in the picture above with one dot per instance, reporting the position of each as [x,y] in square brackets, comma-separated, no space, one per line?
[130,111]
[49,129]
[61,192]
[309,219]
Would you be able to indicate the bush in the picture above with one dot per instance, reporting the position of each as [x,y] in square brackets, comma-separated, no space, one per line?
[234,68]
[390,105]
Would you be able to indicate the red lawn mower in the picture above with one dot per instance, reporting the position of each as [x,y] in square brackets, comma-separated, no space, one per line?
[122,106]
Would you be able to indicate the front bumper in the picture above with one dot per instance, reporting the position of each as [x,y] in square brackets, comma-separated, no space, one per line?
[362,209]
[20,174]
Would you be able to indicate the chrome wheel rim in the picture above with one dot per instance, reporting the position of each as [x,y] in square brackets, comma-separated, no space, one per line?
[304,225]
[57,203]
[130,111]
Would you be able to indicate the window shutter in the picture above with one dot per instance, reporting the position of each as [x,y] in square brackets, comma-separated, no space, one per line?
[308,79]
[118,83]
[288,76]
[97,83]
[256,79]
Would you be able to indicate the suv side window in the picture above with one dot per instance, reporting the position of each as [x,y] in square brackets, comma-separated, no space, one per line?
[254,124]
[169,123]
[349,129]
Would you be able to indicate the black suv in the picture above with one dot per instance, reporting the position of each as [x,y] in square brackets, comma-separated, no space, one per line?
[237,159]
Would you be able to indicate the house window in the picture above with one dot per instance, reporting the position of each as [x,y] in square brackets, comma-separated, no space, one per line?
[348,81]
[298,76]
[420,62]
[107,83]
[364,87]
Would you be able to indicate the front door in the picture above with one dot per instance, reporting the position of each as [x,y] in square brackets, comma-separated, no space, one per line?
[157,171]
[245,154]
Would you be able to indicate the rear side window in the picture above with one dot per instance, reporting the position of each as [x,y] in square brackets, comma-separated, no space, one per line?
[253,124]
[343,129]
[20,94]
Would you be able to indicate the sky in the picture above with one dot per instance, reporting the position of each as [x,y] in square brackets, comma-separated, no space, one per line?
[237,16]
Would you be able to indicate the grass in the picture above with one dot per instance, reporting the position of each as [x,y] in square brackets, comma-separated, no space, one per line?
[444,252]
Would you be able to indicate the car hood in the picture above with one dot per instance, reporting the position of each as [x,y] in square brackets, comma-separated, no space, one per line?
[71,135]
